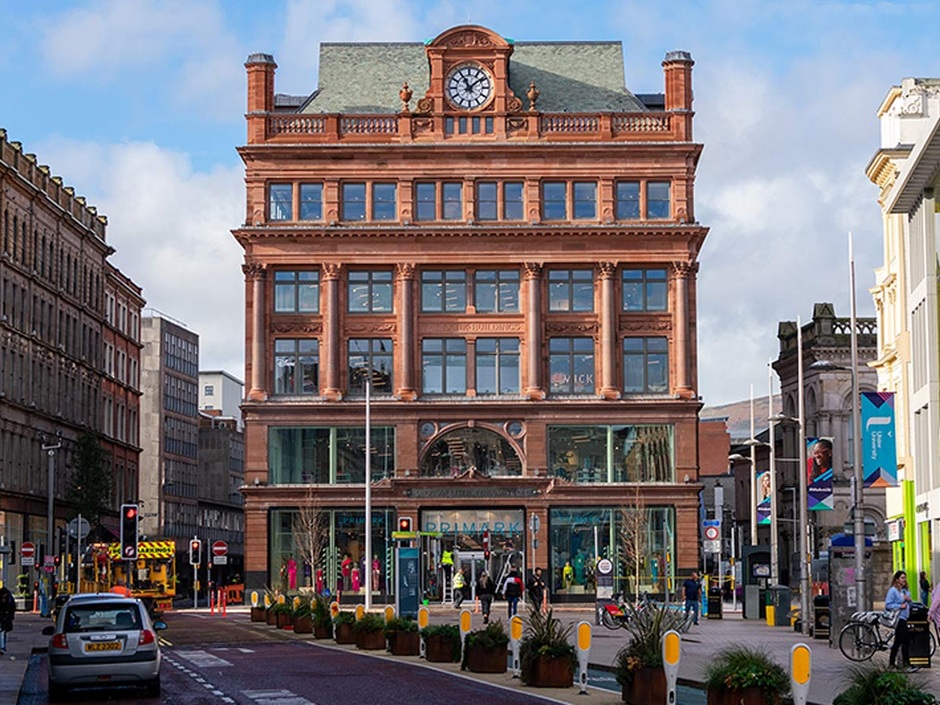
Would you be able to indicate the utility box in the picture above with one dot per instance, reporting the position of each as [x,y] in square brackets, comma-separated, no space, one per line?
[755,605]
[780,599]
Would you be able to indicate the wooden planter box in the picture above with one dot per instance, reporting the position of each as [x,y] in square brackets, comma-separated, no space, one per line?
[345,634]
[303,625]
[549,672]
[405,643]
[745,696]
[480,660]
[323,630]
[648,687]
[285,621]
[271,617]
[439,650]
[370,641]
[259,614]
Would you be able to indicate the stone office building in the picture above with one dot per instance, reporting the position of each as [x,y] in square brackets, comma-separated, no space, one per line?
[496,241]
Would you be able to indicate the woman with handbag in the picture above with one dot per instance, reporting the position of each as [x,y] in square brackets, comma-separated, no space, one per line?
[899,598]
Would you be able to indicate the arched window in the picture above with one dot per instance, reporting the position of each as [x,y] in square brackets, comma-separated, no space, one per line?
[483,450]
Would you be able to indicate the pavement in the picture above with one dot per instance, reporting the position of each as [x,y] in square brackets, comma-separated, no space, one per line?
[829,667]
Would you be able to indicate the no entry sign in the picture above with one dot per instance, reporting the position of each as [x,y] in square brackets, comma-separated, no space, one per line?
[219,548]
[27,554]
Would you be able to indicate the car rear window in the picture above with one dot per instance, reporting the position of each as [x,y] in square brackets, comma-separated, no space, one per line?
[102,617]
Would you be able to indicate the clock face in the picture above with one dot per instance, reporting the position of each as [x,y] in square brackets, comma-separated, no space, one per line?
[469,87]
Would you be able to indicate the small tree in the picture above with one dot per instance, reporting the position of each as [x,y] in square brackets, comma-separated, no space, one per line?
[309,529]
[89,489]
[634,536]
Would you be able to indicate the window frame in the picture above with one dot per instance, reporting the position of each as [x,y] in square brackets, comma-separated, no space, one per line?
[498,355]
[379,206]
[568,349]
[280,203]
[645,285]
[450,279]
[297,354]
[383,371]
[497,289]
[647,357]
[571,285]
[346,200]
[452,352]
[303,201]
[371,284]
[296,285]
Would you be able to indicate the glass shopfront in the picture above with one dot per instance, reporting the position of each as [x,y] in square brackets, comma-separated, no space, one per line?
[342,566]
[328,455]
[622,534]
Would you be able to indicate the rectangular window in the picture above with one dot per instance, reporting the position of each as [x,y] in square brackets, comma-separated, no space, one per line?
[645,365]
[311,201]
[444,366]
[453,201]
[554,200]
[280,201]
[585,200]
[425,201]
[644,289]
[296,366]
[354,201]
[208,390]
[296,292]
[444,291]
[367,355]
[512,201]
[657,200]
[369,292]
[496,291]
[628,200]
[570,290]
[384,202]
[497,366]
[571,365]
[487,206]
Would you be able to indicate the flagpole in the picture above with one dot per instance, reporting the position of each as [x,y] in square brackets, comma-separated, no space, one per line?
[860,596]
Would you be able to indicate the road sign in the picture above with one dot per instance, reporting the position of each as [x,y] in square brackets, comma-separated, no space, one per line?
[219,548]
[712,533]
[49,564]
[79,529]
[27,554]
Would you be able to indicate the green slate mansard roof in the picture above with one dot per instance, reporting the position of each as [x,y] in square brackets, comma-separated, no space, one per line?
[570,76]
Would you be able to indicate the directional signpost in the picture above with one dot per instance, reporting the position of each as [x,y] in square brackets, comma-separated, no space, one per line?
[27,554]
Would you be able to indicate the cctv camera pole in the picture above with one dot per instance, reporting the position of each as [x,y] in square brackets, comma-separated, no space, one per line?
[50,519]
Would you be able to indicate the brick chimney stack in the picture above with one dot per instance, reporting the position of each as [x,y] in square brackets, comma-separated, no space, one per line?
[677,67]
[260,93]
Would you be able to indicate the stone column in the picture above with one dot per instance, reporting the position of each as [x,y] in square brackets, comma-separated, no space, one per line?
[608,325]
[256,274]
[405,276]
[331,337]
[683,335]
[532,277]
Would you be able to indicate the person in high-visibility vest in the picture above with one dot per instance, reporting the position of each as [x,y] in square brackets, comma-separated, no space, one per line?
[460,586]
[447,563]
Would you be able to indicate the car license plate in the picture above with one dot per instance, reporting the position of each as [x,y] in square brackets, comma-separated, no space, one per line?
[103,646]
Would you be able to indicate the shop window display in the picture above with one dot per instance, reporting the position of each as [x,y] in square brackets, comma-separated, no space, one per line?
[598,454]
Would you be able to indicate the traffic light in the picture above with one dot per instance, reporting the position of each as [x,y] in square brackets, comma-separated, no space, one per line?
[404,523]
[129,520]
[486,545]
[195,552]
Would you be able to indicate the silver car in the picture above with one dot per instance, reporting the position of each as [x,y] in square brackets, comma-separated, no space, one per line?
[103,639]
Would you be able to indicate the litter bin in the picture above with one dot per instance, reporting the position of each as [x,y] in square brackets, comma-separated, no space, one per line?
[918,629]
[714,602]
[821,617]
[779,597]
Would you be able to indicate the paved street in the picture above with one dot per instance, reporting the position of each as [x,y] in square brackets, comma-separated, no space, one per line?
[229,659]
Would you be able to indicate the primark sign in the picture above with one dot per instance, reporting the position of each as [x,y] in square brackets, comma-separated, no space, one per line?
[497,522]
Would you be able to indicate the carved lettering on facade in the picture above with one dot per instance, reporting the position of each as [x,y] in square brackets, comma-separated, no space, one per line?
[452,492]
[474,327]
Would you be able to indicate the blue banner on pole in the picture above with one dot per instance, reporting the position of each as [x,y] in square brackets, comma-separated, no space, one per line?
[763,498]
[819,474]
[879,447]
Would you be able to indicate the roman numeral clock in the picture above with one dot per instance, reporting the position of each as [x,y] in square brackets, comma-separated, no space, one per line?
[469,86]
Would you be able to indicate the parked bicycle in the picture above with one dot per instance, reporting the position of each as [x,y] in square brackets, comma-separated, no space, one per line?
[619,614]
[869,632]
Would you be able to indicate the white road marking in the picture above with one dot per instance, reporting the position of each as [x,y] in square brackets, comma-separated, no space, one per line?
[275,697]
[203,659]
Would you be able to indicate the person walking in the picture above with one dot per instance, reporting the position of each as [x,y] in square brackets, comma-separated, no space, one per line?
[693,596]
[512,591]
[7,611]
[486,591]
[536,589]
[899,598]
[460,586]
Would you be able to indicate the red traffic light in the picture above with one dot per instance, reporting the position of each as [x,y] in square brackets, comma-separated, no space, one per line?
[404,524]
[130,512]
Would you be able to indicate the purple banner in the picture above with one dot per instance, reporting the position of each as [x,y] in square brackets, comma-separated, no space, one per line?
[819,473]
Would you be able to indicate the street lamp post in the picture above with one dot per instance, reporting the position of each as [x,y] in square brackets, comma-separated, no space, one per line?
[804,500]
[860,596]
[50,516]
[774,527]
[368,561]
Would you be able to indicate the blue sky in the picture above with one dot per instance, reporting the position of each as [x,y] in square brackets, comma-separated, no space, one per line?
[139,104]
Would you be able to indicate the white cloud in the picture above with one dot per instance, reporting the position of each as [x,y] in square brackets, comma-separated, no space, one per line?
[171,228]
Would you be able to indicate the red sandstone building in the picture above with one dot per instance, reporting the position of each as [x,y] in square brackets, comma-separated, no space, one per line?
[501,238]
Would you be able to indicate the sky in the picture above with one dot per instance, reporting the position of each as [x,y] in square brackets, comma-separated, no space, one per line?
[139,105]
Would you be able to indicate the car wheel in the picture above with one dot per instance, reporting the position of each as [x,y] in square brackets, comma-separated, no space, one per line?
[152,690]
[57,693]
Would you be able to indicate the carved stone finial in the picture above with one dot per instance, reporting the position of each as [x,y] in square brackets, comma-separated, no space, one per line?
[533,95]
[405,94]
